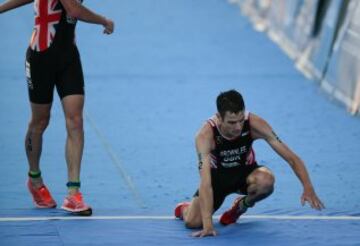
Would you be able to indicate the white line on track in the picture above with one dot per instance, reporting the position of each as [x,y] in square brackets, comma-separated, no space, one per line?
[116,161]
[160,217]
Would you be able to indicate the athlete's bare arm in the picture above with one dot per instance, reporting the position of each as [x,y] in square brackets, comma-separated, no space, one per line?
[203,148]
[79,11]
[12,4]
[260,129]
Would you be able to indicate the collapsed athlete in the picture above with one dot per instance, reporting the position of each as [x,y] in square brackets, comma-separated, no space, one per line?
[227,165]
[52,60]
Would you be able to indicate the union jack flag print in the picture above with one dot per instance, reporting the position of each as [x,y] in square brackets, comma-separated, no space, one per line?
[47,16]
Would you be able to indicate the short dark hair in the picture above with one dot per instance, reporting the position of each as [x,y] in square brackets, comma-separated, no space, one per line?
[231,101]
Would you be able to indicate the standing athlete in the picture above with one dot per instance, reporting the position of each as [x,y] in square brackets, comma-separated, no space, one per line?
[227,165]
[52,60]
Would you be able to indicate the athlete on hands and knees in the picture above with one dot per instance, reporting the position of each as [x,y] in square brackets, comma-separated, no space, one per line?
[52,60]
[227,165]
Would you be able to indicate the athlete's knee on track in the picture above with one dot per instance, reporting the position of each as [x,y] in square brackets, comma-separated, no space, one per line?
[192,223]
[192,220]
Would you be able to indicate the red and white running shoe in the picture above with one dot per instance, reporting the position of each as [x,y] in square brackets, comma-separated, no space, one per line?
[232,215]
[41,196]
[178,212]
[75,204]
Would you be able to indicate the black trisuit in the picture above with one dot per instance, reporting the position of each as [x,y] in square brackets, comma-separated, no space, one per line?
[231,163]
[52,58]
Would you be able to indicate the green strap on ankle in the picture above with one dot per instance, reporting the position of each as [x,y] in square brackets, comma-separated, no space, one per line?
[73,185]
[34,175]
[246,204]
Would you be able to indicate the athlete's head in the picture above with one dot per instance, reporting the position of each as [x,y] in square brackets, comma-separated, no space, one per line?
[231,112]
[231,101]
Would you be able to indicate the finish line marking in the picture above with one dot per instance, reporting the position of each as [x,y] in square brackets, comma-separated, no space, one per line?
[150,217]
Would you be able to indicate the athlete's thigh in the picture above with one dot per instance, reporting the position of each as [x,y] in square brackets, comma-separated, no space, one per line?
[219,194]
[40,112]
[73,105]
[40,75]
[193,213]
[70,80]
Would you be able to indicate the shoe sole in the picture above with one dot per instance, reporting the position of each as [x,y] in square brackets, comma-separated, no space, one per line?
[44,207]
[86,212]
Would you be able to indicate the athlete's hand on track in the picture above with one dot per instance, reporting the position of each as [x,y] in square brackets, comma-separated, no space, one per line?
[205,233]
[109,26]
[311,197]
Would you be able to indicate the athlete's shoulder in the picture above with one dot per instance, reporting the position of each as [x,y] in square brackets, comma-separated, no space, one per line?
[259,126]
[206,132]
[212,121]
[206,129]
[256,119]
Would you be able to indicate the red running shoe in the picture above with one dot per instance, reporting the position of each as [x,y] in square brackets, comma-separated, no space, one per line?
[41,196]
[180,208]
[233,214]
[75,204]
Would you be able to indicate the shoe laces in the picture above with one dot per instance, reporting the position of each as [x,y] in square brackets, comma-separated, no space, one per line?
[43,193]
[77,197]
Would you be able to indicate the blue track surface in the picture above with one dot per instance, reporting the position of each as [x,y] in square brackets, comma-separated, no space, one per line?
[149,87]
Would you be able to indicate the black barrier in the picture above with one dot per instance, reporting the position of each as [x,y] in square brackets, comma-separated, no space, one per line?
[313,61]
[319,16]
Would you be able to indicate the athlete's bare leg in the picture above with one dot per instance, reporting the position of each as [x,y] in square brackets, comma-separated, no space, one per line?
[192,214]
[73,109]
[40,116]
[260,185]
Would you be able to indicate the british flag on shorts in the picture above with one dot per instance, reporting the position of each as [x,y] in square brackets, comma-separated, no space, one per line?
[47,16]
